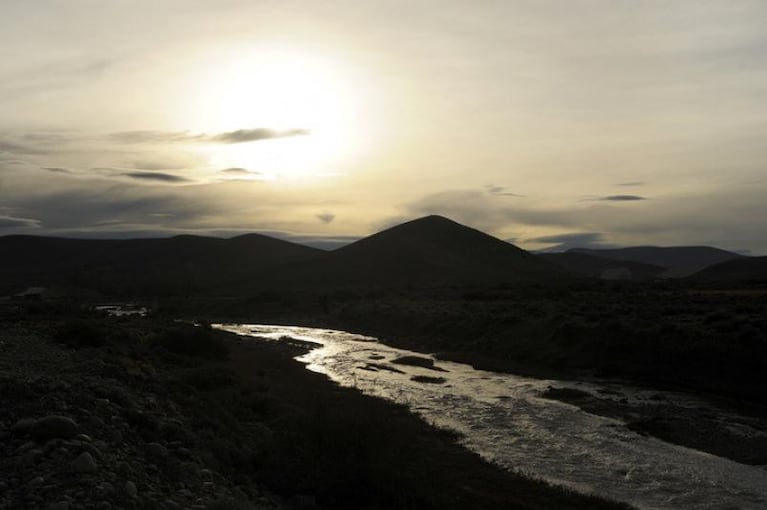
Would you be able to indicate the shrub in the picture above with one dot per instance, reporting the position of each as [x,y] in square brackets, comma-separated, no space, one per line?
[207,379]
[80,333]
[192,341]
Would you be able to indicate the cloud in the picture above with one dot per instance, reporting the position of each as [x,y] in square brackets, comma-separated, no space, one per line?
[631,183]
[15,148]
[156,176]
[254,135]
[621,198]
[14,222]
[326,217]
[500,191]
[576,237]
[564,242]
[57,169]
[239,171]
[229,137]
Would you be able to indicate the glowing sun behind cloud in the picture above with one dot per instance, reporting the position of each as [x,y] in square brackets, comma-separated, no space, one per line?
[281,92]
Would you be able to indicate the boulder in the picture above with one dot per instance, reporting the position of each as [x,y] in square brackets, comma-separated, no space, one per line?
[53,427]
[84,464]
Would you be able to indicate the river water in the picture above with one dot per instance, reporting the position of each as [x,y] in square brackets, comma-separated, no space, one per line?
[504,418]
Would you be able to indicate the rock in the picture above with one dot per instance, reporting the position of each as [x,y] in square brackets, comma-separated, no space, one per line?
[106,487]
[92,450]
[61,505]
[37,481]
[29,445]
[156,451]
[54,426]
[23,426]
[130,489]
[84,463]
[84,438]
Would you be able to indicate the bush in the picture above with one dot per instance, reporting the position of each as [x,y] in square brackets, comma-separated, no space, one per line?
[192,341]
[80,333]
[207,379]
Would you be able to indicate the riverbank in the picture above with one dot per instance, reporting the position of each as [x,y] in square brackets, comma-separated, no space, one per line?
[172,416]
[561,338]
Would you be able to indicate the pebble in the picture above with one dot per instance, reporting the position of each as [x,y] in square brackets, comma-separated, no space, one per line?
[130,489]
[156,451]
[54,426]
[23,426]
[84,463]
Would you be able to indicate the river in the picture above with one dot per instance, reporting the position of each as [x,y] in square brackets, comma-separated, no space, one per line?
[504,418]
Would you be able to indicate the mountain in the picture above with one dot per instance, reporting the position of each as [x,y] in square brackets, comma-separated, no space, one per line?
[432,252]
[679,261]
[424,253]
[136,266]
[747,269]
[599,267]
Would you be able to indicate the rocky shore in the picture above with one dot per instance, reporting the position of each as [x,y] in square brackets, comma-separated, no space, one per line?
[89,429]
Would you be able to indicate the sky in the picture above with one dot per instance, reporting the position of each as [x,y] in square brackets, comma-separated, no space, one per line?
[550,124]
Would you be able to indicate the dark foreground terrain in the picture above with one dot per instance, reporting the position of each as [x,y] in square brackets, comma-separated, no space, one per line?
[706,341]
[148,413]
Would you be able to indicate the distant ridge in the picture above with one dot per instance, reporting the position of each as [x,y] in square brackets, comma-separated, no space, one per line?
[678,261]
[424,253]
[592,266]
[435,251]
[747,269]
[174,265]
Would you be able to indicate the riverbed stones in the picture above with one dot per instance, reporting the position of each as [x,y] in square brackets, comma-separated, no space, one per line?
[54,426]
[130,489]
[155,451]
[23,426]
[84,463]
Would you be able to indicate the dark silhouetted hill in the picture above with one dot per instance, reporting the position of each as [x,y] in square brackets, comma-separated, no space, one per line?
[678,261]
[599,267]
[433,252]
[429,252]
[173,265]
[744,270]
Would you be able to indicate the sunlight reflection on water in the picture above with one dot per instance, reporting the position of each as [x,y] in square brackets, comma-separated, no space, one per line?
[504,418]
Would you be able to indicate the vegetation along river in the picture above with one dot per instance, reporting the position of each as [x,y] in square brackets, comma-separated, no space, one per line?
[505,418]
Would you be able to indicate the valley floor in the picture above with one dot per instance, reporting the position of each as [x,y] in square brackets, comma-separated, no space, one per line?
[147,413]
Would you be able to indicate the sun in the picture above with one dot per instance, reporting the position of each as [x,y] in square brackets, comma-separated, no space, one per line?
[280,91]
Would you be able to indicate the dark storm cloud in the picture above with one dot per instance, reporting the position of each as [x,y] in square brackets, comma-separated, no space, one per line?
[621,198]
[156,177]
[326,217]
[230,137]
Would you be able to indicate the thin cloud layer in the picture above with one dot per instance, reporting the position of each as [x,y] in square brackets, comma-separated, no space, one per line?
[326,217]
[156,177]
[622,198]
[230,137]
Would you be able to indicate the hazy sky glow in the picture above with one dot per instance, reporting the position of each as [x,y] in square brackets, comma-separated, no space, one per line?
[544,122]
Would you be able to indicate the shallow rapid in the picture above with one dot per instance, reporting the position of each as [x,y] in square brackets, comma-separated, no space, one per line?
[504,418]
